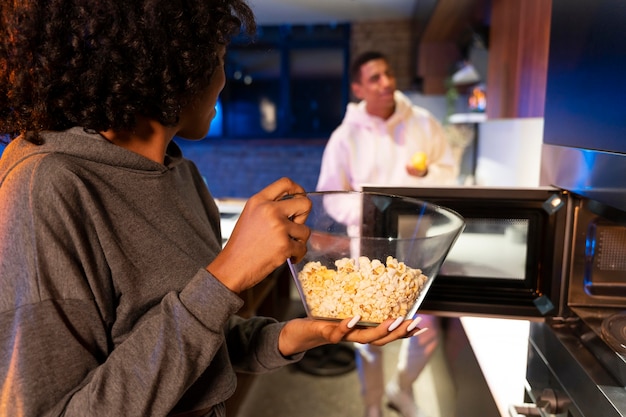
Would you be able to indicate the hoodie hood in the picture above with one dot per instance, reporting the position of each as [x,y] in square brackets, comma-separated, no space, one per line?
[92,147]
[357,115]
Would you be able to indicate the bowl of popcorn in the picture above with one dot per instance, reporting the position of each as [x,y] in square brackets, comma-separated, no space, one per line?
[372,255]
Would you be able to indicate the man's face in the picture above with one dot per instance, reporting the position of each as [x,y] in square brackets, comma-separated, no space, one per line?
[376,85]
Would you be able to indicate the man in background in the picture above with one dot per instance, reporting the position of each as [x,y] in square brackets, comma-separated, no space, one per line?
[385,140]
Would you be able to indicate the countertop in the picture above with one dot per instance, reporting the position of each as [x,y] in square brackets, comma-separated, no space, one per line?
[501,348]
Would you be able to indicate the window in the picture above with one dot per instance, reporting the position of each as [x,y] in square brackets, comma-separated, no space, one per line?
[291,81]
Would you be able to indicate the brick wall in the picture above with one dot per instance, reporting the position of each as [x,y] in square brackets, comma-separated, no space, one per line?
[394,38]
[241,168]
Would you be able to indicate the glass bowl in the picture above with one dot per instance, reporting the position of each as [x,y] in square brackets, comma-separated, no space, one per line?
[373,255]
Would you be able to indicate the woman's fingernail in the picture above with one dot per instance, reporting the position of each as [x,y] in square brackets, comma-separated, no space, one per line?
[414,324]
[395,324]
[420,331]
[354,321]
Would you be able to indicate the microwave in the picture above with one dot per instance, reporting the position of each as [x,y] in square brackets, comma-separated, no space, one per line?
[530,253]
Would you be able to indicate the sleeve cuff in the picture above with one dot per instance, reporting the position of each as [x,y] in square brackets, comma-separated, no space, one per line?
[209,300]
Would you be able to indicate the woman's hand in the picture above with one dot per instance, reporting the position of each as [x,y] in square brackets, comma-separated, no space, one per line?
[269,231]
[299,335]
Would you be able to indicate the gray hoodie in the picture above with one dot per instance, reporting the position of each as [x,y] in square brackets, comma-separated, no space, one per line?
[106,308]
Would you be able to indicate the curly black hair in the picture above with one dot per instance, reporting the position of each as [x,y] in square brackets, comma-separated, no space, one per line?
[100,63]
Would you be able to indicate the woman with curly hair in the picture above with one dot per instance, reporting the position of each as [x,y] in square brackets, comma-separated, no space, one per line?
[117,298]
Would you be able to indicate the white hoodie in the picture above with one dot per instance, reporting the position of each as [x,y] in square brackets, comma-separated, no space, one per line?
[368,150]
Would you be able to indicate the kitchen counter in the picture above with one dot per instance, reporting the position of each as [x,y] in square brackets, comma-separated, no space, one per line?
[230,209]
[501,349]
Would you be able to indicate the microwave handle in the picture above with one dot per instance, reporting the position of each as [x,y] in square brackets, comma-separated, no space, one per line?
[527,410]
[548,404]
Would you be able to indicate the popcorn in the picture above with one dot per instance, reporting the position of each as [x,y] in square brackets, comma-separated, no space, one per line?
[364,287]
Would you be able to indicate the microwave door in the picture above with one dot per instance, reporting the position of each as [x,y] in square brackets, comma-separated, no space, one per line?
[509,260]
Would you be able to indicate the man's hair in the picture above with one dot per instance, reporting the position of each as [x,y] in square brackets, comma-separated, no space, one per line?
[100,64]
[362,59]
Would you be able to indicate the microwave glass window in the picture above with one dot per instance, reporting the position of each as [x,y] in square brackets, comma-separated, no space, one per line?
[490,248]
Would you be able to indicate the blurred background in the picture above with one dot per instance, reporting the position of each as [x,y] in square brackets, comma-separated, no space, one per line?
[288,88]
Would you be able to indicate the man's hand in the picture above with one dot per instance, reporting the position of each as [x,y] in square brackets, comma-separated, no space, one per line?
[418,165]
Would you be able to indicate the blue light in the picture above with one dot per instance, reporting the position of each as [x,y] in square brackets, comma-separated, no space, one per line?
[590,249]
[216,128]
[4,139]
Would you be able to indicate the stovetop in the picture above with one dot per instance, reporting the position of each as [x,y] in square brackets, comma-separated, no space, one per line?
[569,360]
